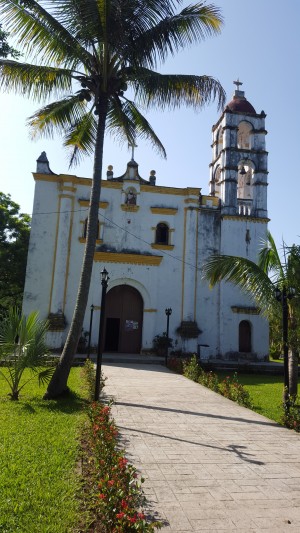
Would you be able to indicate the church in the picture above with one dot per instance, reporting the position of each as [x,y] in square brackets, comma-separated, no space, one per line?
[153,240]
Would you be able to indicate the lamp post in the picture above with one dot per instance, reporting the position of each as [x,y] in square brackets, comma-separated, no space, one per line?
[104,283]
[90,332]
[168,312]
[283,296]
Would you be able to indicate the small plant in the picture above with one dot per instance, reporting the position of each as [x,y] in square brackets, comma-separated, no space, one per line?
[89,374]
[161,343]
[192,369]
[232,389]
[229,387]
[176,364]
[23,345]
[291,416]
[117,494]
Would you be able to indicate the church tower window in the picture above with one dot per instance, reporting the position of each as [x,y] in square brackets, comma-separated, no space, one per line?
[162,233]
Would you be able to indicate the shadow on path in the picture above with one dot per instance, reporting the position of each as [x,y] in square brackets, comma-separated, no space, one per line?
[233,448]
[206,415]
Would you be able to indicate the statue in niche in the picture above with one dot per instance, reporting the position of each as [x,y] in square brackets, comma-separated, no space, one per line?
[130,197]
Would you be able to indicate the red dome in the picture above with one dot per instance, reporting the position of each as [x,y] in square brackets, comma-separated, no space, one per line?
[240,104]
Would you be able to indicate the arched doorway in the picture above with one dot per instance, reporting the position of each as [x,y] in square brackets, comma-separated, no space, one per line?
[123,320]
[245,336]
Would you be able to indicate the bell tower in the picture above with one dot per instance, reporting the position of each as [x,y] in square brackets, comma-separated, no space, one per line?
[239,168]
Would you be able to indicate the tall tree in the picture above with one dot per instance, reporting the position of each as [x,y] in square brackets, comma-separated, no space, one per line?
[14,240]
[5,49]
[261,282]
[108,47]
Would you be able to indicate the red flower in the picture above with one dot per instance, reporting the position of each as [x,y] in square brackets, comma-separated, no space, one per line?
[120,515]
[101,496]
[132,519]
[111,482]
[124,504]
[141,516]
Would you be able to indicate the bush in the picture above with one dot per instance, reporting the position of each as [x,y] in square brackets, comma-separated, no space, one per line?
[229,387]
[291,416]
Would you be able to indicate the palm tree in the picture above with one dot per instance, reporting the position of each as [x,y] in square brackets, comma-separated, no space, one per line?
[103,48]
[269,283]
[23,346]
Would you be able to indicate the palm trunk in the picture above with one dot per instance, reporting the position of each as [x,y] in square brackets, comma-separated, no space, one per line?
[58,383]
[293,373]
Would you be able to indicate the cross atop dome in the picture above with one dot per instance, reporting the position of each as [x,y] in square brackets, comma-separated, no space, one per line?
[238,83]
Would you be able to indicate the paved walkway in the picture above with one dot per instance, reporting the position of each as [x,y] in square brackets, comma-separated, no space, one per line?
[209,464]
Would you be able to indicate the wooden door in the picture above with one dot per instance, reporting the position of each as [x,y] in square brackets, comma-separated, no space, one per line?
[124,320]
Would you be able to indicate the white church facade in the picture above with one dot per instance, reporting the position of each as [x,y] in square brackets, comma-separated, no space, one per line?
[152,240]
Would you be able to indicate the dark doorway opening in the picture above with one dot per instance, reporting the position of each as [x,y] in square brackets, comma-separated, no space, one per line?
[245,336]
[112,334]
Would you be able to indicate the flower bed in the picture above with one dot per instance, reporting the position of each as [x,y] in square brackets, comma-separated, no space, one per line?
[117,495]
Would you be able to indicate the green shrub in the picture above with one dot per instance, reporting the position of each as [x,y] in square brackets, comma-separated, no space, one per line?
[229,387]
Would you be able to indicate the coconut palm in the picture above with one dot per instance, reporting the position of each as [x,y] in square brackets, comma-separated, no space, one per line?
[269,283]
[99,59]
[23,346]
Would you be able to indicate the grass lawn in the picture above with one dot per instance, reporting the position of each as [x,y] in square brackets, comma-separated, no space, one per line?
[38,456]
[265,391]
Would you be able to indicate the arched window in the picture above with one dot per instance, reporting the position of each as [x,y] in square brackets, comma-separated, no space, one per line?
[245,180]
[219,141]
[245,336]
[162,233]
[243,136]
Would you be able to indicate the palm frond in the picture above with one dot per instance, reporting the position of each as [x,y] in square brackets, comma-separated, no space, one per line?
[56,117]
[34,81]
[269,260]
[81,138]
[245,274]
[171,90]
[173,33]
[127,123]
[40,33]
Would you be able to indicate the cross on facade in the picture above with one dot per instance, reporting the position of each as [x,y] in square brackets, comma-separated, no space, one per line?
[238,83]
[132,145]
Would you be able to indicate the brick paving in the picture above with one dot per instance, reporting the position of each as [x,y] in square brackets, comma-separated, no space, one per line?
[209,464]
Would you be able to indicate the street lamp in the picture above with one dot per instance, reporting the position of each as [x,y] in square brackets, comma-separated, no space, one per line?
[283,296]
[90,332]
[168,312]
[104,283]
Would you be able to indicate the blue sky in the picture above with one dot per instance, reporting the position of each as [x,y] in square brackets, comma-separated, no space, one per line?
[259,44]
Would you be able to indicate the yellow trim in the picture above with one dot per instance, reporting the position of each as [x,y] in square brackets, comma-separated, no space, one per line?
[150,310]
[134,259]
[164,210]
[83,239]
[170,190]
[129,207]
[86,203]
[183,262]
[191,201]
[62,195]
[112,184]
[245,310]
[162,246]
[247,219]
[196,273]
[54,255]
[67,178]
[71,189]
[215,200]
[69,253]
